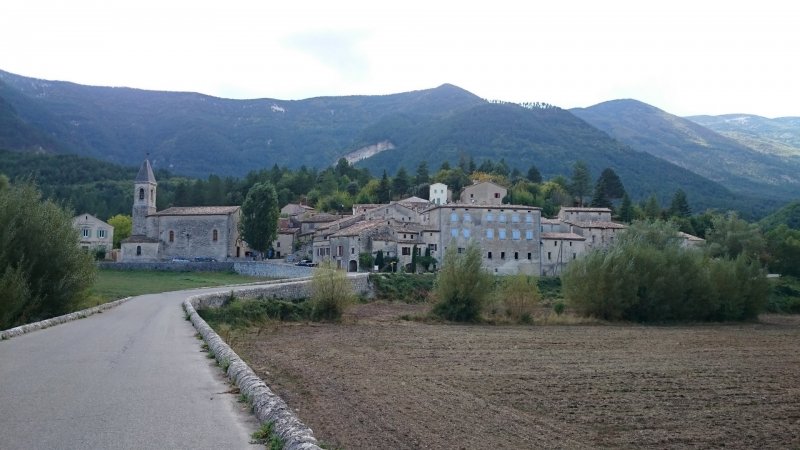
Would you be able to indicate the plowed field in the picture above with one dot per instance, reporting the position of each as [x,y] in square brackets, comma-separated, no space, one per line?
[378,382]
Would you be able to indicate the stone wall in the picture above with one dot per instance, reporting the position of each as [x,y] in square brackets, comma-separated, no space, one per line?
[267,406]
[265,269]
[271,269]
[47,323]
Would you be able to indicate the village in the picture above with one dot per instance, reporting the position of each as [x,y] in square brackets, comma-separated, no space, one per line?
[513,238]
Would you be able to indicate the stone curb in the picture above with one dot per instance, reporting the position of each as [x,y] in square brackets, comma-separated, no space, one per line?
[267,406]
[47,323]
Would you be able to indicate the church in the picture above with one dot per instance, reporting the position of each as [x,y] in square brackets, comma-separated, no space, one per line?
[198,232]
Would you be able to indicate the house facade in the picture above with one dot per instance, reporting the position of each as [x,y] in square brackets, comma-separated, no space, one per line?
[94,233]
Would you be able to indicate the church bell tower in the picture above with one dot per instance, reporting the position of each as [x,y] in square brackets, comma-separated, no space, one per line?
[144,198]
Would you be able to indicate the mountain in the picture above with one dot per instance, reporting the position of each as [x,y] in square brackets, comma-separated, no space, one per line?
[789,215]
[780,137]
[685,143]
[196,135]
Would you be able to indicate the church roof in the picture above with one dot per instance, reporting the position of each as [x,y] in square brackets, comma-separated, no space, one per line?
[198,211]
[145,173]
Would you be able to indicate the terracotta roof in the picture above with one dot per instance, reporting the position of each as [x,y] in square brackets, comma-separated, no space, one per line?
[546,221]
[321,217]
[563,236]
[577,209]
[198,211]
[599,224]
[288,230]
[358,228]
[139,239]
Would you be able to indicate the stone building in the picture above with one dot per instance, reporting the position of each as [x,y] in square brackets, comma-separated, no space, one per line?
[94,233]
[483,193]
[438,194]
[208,232]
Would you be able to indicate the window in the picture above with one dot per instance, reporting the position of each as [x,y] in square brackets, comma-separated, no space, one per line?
[529,235]
[467,217]
[278,244]
[528,218]
[496,195]
[406,250]
[489,255]
[101,233]
[555,243]
[516,255]
[152,195]
[215,235]
[515,218]
[549,256]
[489,217]
[141,193]
[460,249]
[502,255]
[489,233]
[432,247]
[171,236]
[87,233]
[515,235]
[529,255]
[339,250]
[570,243]
[502,218]
[501,234]
[138,250]
[454,232]
[352,250]
[574,255]
[453,217]
[465,232]
[328,251]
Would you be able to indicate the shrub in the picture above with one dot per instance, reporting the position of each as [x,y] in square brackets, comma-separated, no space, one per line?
[238,313]
[42,271]
[559,307]
[649,277]
[462,286]
[519,295]
[784,296]
[402,287]
[331,293]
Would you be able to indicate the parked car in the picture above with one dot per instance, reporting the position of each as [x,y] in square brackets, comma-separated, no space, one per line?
[305,262]
[204,259]
[178,259]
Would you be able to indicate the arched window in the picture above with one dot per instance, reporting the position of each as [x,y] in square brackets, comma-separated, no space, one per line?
[138,250]
[215,236]
[141,193]
[171,236]
[152,194]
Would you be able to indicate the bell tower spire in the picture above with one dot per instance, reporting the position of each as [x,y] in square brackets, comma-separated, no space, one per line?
[144,198]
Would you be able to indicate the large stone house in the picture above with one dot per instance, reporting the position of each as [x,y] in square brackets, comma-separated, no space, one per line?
[483,193]
[94,233]
[179,232]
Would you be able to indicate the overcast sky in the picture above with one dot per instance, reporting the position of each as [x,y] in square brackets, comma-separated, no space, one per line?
[686,57]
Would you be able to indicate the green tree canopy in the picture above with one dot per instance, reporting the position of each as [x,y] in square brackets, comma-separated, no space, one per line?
[462,286]
[422,177]
[626,213]
[731,236]
[579,185]
[680,205]
[610,183]
[384,191]
[259,221]
[533,175]
[122,227]
[43,272]
[400,183]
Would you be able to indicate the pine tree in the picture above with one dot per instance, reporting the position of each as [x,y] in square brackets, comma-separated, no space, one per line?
[680,205]
[400,183]
[626,209]
[600,199]
[579,187]
[422,174]
[612,185]
[384,191]
[652,210]
[533,175]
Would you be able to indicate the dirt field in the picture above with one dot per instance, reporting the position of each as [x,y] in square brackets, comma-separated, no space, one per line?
[385,383]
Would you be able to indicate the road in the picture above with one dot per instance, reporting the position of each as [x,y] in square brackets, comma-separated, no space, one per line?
[133,377]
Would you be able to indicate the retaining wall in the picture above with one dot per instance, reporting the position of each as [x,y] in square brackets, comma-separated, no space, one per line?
[267,406]
[251,268]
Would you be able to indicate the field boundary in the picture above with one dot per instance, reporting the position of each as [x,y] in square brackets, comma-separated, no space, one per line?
[268,407]
[53,321]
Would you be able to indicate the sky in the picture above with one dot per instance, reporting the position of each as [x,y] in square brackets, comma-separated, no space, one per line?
[685,57]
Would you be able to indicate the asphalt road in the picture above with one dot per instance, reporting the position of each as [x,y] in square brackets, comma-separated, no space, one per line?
[133,377]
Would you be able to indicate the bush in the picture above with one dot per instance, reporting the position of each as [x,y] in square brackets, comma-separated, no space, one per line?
[649,277]
[784,296]
[239,313]
[331,293]
[43,273]
[519,295]
[402,287]
[462,286]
